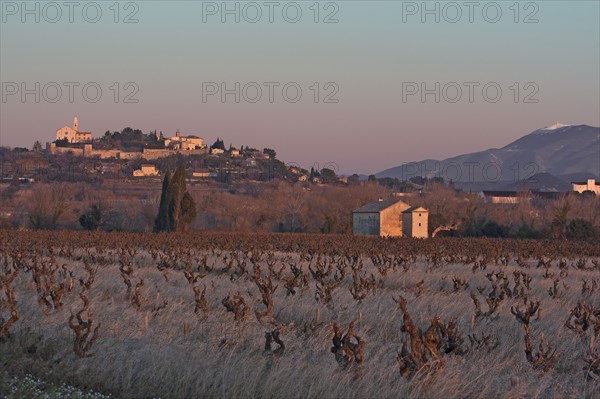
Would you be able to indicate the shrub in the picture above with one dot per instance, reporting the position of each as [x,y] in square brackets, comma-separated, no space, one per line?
[47,204]
[580,229]
[486,228]
[93,218]
[527,230]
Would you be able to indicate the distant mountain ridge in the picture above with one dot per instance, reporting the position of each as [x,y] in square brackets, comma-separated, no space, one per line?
[539,182]
[566,152]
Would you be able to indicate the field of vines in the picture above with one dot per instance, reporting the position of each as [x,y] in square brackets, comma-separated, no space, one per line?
[142,315]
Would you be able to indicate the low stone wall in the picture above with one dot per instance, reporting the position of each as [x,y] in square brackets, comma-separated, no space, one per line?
[148,154]
[157,153]
[104,154]
[129,155]
[66,150]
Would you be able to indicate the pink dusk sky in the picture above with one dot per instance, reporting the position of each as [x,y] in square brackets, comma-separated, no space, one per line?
[357,64]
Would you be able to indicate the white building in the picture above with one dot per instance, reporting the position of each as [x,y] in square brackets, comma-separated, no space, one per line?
[503,197]
[201,174]
[590,185]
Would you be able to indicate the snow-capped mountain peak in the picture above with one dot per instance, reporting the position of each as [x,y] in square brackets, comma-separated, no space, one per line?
[550,129]
[557,125]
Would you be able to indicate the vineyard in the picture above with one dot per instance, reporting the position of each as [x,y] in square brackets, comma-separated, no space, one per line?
[290,315]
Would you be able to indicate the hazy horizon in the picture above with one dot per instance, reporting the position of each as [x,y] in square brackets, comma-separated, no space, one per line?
[366,61]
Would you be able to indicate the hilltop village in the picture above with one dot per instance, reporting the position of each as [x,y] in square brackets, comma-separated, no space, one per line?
[153,146]
[76,155]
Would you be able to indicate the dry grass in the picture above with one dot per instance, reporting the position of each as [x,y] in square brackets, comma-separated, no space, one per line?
[157,343]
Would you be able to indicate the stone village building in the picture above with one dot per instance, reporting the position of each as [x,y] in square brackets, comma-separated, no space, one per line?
[190,142]
[72,134]
[146,170]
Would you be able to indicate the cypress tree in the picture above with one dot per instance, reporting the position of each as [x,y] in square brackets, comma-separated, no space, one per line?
[160,223]
[188,210]
[175,198]
[177,207]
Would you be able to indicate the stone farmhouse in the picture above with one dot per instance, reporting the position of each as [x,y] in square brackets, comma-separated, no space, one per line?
[590,185]
[387,219]
[72,134]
